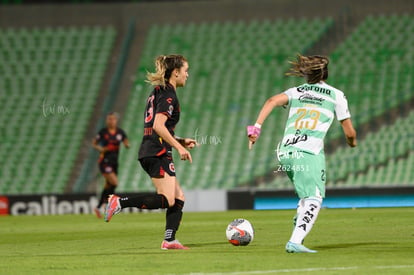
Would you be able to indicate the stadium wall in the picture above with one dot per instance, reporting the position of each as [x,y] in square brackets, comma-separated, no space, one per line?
[54,204]
[336,198]
[188,11]
[212,200]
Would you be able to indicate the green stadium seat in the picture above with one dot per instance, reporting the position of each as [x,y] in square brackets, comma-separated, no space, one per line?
[380,50]
[385,150]
[56,65]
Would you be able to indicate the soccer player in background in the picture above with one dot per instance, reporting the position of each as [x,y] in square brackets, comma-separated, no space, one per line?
[312,109]
[107,142]
[162,114]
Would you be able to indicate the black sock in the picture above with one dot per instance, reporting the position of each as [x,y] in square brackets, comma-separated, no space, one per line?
[104,195]
[173,217]
[154,201]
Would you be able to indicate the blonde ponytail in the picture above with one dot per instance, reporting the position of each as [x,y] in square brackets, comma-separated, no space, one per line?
[164,65]
[314,68]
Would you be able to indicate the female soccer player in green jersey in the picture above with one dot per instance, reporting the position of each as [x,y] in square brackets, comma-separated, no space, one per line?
[313,106]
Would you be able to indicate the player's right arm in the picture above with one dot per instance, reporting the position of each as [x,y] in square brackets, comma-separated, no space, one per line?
[98,147]
[162,131]
[349,132]
[274,101]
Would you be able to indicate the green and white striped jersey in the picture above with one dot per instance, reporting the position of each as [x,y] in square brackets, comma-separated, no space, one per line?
[312,109]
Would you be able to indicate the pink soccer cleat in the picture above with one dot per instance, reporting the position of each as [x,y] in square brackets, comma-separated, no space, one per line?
[165,245]
[97,213]
[112,208]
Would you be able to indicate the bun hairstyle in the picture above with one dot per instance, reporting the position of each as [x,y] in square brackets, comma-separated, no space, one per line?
[313,67]
[164,66]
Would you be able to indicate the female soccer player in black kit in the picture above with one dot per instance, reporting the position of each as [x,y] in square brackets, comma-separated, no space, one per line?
[107,142]
[161,116]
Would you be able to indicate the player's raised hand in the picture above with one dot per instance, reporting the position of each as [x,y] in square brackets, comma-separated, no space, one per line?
[253,134]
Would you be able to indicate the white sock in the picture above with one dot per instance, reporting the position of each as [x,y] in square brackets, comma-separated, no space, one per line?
[308,210]
[298,209]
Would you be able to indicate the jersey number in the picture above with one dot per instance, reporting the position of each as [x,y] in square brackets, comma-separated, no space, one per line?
[313,115]
[149,115]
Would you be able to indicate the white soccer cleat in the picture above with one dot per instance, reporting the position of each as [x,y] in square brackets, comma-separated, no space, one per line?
[298,248]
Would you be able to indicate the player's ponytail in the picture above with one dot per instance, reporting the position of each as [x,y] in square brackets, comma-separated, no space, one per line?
[314,68]
[164,66]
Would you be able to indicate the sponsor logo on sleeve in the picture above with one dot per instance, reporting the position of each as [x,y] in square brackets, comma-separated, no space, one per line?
[170,110]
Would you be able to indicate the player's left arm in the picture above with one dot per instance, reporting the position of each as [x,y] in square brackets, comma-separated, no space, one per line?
[349,131]
[344,116]
[275,101]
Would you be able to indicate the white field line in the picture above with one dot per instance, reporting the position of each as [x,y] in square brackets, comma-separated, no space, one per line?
[340,268]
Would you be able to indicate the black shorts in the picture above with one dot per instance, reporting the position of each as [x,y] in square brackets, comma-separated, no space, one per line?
[108,167]
[156,167]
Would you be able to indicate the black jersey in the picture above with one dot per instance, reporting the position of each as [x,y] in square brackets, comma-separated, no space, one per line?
[161,100]
[112,142]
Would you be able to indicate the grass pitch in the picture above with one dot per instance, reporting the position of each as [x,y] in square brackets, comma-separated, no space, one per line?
[362,241]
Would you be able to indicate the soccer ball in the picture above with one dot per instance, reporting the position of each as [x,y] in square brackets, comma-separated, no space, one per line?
[240,232]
